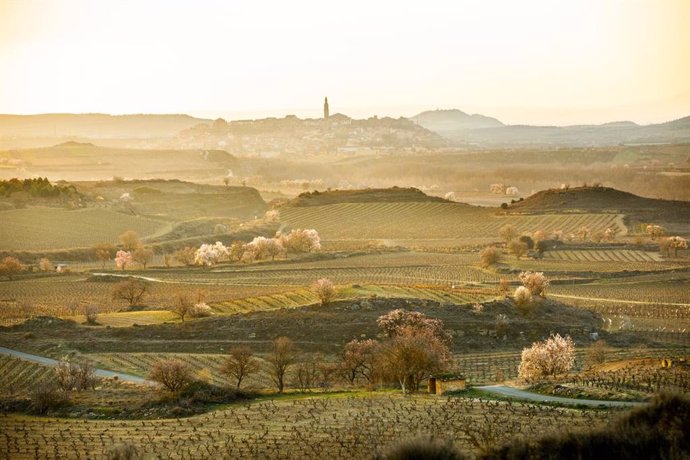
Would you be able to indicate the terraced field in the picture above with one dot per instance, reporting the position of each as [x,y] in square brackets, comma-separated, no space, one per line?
[38,228]
[430,220]
[16,375]
[604,255]
[302,297]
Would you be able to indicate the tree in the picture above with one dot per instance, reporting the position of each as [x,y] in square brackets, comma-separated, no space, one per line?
[130,240]
[173,374]
[396,321]
[655,231]
[122,259]
[672,242]
[183,305]
[210,254]
[11,266]
[553,356]
[185,256]
[91,314]
[104,252]
[411,355]
[132,291]
[236,251]
[299,241]
[517,248]
[597,353]
[489,256]
[142,256]
[45,265]
[283,355]
[324,290]
[359,358]
[536,282]
[522,296]
[240,364]
[508,232]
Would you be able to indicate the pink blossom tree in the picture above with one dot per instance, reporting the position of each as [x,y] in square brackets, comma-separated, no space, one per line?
[122,259]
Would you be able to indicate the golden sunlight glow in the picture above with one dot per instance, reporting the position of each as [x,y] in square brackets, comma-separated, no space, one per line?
[522,61]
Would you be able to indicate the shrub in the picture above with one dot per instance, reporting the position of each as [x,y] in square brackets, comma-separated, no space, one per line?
[10,266]
[47,397]
[69,375]
[422,448]
[123,451]
[91,314]
[201,310]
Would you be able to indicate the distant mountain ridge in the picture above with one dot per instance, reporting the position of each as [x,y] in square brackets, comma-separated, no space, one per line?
[461,128]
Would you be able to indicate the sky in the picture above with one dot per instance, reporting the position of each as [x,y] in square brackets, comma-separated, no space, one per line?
[529,61]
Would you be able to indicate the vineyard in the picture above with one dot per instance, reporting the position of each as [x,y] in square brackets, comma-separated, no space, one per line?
[646,376]
[431,220]
[17,375]
[313,428]
[34,229]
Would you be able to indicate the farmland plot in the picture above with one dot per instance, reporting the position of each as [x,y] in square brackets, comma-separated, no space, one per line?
[334,427]
[424,220]
[34,229]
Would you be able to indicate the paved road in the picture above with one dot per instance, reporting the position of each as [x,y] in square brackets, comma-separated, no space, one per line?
[51,362]
[520,394]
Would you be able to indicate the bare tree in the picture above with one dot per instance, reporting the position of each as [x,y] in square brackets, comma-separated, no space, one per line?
[173,374]
[142,256]
[183,305]
[132,290]
[130,240]
[240,364]
[185,256]
[104,252]
[283,355]
[517,248]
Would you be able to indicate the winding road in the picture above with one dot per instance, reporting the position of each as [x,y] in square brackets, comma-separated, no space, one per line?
[52,362]
[510,392]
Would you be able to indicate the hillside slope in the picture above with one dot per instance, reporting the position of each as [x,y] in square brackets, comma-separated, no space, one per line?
[603,199]
[374,195]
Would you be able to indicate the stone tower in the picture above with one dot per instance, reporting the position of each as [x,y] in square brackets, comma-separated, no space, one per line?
[325,109]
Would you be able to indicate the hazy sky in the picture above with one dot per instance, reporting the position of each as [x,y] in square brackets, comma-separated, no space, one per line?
[532,61]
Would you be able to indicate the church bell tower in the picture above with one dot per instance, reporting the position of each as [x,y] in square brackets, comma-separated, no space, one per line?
[325,109]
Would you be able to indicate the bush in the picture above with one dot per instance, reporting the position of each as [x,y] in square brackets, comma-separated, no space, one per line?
[535,282]
[201,310]
[123,451]
[324,290]
[424,449]
[658,430]
[47,397]
[522,296]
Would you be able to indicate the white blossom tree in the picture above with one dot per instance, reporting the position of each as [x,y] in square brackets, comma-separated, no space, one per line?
[535,282]
[553,356]
[210,254]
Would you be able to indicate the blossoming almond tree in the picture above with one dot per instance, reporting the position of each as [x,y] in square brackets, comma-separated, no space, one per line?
[122,259]
[210,254]
[553,356]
